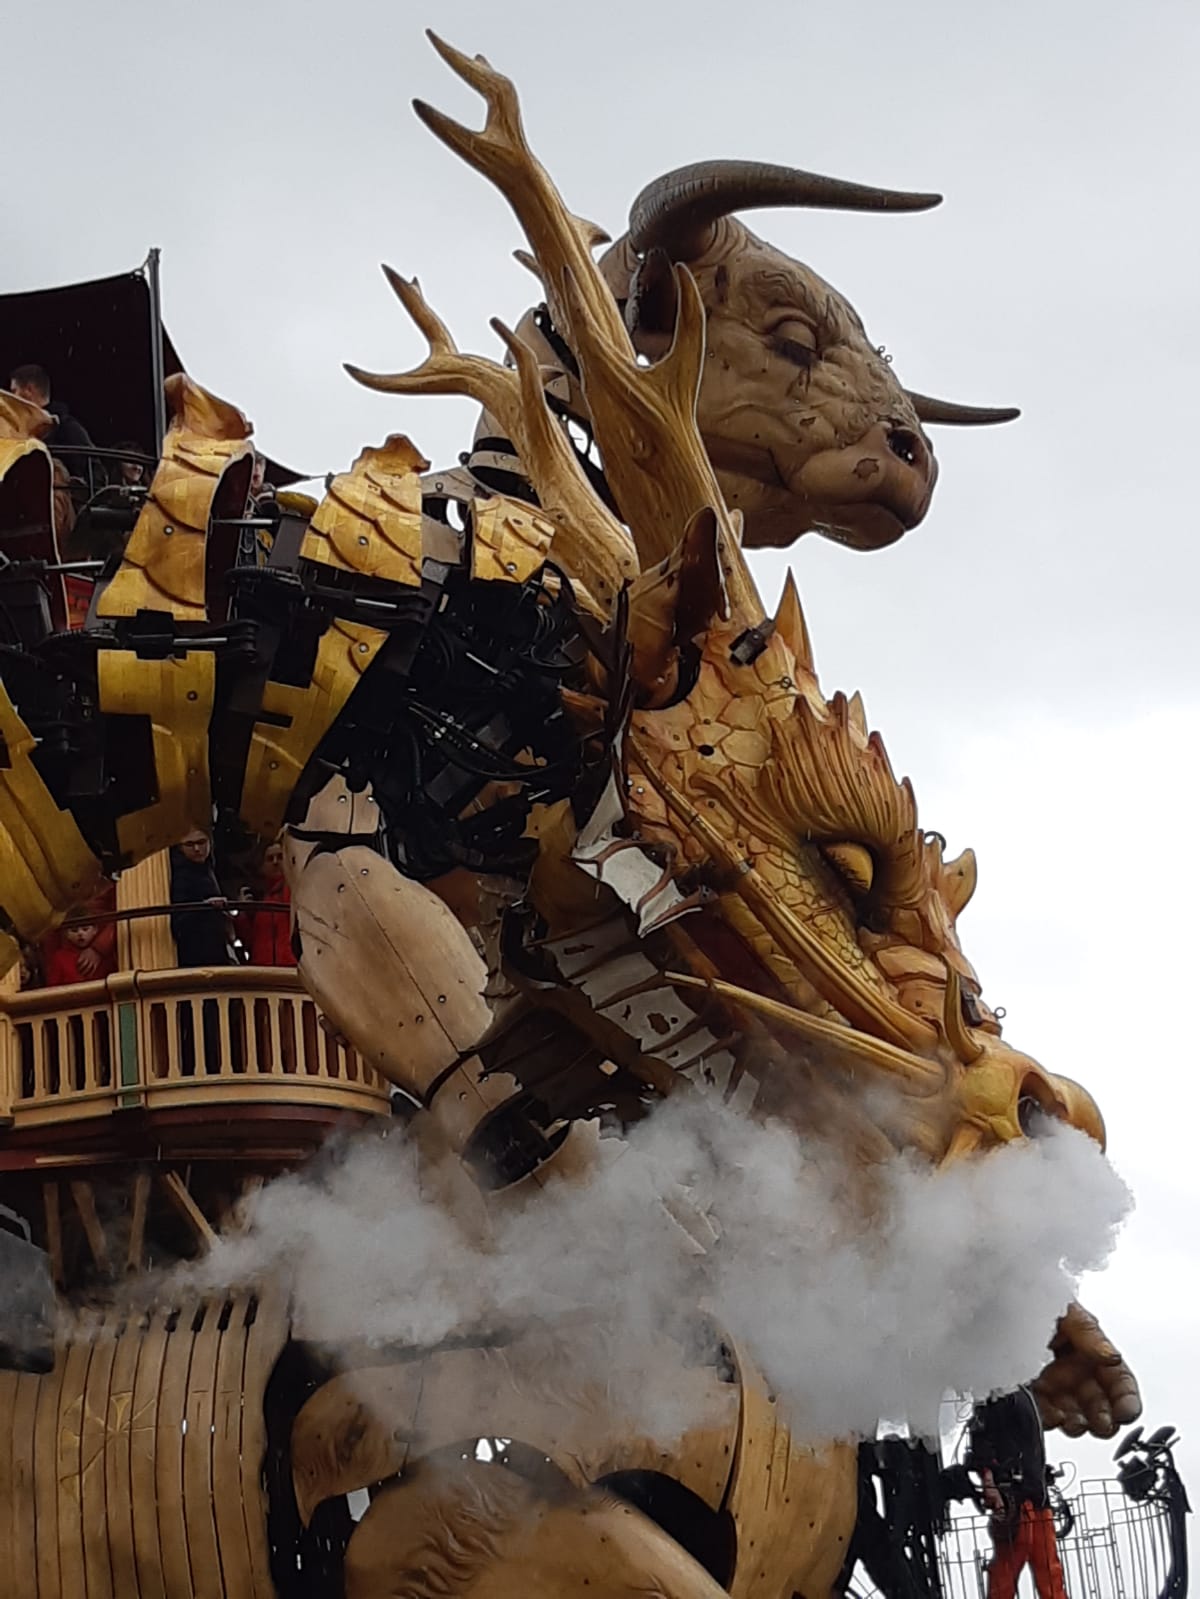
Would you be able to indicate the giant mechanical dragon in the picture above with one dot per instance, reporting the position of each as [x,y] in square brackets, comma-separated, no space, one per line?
[571,828]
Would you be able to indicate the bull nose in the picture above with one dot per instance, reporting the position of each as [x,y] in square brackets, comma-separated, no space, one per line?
[909,447]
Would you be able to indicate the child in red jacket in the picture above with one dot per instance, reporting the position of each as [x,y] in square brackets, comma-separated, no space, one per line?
[94,957]
[63,963]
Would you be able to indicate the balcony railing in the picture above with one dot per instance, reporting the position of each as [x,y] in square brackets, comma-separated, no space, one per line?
[171,1039]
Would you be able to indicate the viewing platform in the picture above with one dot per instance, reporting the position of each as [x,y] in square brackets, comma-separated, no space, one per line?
[191,1044]
[226,1063]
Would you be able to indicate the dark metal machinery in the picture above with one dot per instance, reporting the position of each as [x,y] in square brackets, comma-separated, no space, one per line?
[1121,1537]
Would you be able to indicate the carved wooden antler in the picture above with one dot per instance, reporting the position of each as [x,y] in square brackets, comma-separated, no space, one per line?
[589,542]
[644,420]
[643,417]
[559,240]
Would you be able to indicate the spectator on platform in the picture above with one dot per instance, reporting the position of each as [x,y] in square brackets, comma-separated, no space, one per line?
[68,436]
[130,474]
[103,528]
[63,506]
[201,936]
[254,543]
[30,971]
[94,957]
[269,933]
[77,960]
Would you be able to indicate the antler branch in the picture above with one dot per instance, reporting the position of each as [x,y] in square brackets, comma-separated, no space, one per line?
[589,542]
[501,153]
[643,417]
[445,370]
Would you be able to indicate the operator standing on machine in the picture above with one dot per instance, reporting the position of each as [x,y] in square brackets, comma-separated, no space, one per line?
[1007,1452]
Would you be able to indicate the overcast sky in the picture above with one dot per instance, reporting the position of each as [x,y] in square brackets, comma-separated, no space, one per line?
[1029,654]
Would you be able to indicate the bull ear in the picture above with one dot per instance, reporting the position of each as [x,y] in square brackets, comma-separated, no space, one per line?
[653,304]
[672,605]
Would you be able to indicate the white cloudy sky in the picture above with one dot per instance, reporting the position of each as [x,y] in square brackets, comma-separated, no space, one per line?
[1030,652]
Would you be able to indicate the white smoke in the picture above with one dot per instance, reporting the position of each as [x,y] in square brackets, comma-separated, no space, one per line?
[954,1284]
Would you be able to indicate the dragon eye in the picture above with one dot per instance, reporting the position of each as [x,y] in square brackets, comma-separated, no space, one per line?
[853,864]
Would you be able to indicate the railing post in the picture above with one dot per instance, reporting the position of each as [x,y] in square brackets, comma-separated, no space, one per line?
[145,944]
[10,1063]
[131,1043]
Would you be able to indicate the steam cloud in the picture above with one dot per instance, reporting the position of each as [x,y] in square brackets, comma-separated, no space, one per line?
[955,1284]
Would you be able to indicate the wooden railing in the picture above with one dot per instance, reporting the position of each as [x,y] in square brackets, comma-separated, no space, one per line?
[158,1039]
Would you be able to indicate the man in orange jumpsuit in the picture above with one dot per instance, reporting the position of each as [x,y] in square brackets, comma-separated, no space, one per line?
[1009,1455]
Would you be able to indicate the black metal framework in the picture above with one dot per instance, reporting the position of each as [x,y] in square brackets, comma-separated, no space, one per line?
[157,354]
[1123,1537]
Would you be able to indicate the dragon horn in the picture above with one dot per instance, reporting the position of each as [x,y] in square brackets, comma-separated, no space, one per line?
[679,210]
[963,416]
[958,1034]
[791,626]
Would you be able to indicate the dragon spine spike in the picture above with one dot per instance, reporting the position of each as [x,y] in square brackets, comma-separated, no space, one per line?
[673,603]
[958,1034]
[960,878]
[791,625]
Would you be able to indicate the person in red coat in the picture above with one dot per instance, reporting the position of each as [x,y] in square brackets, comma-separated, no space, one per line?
[88,958]
[76,959]
[269,933]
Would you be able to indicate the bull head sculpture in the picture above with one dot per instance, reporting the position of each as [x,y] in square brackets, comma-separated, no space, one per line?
[802,416]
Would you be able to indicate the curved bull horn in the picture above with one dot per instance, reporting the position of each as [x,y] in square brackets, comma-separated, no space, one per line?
[678,210]
[963,416]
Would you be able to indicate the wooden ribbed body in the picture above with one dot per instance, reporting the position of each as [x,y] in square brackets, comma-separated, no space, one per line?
[134,1469]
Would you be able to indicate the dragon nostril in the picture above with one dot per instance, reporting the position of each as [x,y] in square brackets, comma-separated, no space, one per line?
[905,443]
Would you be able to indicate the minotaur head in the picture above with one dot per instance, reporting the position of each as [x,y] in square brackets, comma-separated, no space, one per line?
[803,418]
